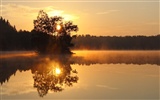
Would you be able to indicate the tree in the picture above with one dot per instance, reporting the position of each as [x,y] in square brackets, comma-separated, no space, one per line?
[52,34]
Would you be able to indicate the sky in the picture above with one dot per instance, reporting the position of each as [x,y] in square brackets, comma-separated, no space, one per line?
[94,17]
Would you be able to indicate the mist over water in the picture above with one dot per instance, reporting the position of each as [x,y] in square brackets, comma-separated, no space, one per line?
[108,74]
[89,57]
[118,57]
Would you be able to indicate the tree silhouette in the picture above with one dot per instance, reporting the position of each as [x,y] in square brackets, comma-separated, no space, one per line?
[52,34]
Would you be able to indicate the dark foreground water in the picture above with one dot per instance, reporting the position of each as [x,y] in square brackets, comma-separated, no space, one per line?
[87,75]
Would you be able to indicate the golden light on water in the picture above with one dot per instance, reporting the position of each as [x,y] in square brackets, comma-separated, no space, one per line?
[58,27]
[57,71]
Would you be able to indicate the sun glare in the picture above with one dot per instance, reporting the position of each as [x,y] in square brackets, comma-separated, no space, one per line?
[67,17]
[58,27]
[55,13]
[57,71]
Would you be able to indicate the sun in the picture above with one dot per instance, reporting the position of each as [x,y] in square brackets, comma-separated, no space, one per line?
[58,27]
[57,71]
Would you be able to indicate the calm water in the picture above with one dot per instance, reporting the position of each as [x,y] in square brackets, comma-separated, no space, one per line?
[86,75]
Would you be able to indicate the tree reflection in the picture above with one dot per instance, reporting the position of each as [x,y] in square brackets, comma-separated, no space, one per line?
[53,76]
[43,67]
[50,73]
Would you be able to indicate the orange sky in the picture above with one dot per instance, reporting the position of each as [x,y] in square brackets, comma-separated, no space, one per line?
[105,17]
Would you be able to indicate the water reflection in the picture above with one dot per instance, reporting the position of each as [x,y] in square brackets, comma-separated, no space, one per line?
[54,73]
[10,64]
[49,73]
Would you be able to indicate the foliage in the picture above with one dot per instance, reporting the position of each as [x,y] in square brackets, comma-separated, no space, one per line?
[11,39]
[117,42]
[47,38]
[48,25]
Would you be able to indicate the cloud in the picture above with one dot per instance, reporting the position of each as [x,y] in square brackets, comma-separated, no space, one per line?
[22,16]
[15,13]
[14,10]
[62,13]
[108,87]
[106,12]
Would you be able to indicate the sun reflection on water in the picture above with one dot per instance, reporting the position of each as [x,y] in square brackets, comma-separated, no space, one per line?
[55,70]
[58,71]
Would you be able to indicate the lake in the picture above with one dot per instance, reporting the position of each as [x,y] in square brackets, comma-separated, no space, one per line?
[86,75]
